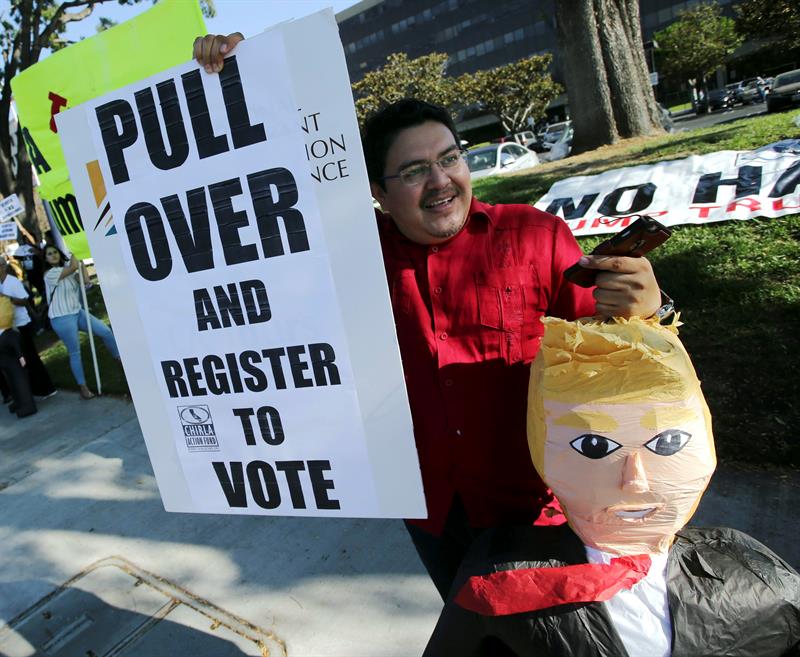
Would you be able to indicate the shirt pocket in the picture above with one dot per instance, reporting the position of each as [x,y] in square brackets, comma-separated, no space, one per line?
[509,302]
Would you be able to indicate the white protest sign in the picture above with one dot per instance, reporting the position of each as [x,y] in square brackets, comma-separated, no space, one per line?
[241,267]
[8,230]
[10,207]
[696,190]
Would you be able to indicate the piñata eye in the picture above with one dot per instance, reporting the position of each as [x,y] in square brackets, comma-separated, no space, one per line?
[594,446]
[668,442]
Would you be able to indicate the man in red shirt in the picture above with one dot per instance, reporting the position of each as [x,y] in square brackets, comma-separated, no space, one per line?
[469,283]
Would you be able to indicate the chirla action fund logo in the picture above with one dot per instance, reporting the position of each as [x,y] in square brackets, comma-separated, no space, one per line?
[198,429]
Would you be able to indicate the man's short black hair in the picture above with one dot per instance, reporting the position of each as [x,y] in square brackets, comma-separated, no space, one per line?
[381,129]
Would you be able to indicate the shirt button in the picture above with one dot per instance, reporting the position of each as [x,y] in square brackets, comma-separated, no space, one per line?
[443,336]
[448,383]
[457,432]
[434,249]
[437,290]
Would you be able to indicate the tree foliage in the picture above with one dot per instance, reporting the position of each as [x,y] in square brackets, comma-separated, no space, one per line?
[514,92]
[401,77]
[698,43]
[770,19]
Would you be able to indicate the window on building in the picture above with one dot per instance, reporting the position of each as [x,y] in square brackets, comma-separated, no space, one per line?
[519,34]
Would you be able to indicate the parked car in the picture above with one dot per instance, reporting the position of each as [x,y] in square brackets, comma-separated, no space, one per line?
[525,138]
[785,91]
[753,91]
[715,100]
[739,91]
[561,148]
[499,158]
[553,133]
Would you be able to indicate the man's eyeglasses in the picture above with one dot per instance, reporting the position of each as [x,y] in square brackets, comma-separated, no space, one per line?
[419,172]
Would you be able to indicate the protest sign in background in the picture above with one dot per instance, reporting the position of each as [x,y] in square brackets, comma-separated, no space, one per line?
[153,41]
[10,207]
[241,265]
[697,190]
[8,230]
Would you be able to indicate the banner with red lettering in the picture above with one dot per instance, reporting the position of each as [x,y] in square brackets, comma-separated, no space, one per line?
[697,190]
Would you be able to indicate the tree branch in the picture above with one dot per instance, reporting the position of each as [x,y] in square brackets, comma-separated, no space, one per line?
[61,17]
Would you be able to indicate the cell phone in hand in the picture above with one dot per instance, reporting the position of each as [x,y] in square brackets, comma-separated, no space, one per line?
[641,237]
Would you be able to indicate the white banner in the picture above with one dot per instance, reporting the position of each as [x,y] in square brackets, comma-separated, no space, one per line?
[697,190]
[244,281]
[10,207]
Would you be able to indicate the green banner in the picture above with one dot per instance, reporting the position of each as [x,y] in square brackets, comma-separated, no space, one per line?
[154,41]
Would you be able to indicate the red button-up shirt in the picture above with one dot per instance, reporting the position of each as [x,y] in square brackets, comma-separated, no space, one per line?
[468,324]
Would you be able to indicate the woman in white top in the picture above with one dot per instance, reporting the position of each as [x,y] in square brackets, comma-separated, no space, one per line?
[67,316]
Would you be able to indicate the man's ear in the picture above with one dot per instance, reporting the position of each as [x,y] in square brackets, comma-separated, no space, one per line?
[378,192]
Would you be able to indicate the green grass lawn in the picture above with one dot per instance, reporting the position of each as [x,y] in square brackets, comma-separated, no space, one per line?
[736,283]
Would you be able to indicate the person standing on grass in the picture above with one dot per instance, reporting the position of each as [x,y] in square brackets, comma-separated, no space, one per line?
[10,286]
[67,316]
[469,283]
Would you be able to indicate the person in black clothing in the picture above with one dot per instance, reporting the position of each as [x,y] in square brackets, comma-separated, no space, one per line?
[12,364]
[12,287]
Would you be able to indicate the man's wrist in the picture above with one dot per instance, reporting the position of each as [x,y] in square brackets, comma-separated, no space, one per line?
[666,310]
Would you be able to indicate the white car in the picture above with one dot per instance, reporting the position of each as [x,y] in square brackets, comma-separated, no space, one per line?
[554,133]
[499,158]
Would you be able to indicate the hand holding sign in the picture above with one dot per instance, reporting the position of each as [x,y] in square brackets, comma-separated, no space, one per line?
[210,50]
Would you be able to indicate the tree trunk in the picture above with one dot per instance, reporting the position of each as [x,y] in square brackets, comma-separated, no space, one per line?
[633,26]
[629,95]
[584,74]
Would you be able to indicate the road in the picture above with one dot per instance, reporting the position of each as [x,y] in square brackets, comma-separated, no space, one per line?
[694,121]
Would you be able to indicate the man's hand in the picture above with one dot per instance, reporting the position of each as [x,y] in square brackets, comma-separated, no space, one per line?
[626,287]
[209,50]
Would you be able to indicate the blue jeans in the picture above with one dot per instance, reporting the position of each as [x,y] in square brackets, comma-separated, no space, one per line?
[67,326]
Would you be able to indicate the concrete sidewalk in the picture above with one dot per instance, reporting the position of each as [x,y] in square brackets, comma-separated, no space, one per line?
[78,488]
[79,505]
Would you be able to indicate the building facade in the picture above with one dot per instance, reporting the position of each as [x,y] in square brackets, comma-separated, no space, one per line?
[481,34]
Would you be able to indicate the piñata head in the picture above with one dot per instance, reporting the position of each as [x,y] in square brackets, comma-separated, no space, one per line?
[618,428]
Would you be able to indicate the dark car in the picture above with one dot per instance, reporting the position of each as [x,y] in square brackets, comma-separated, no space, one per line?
[785,91]
[715,100]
